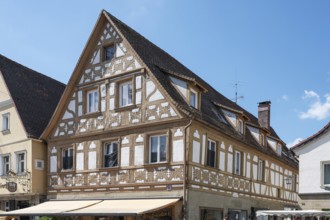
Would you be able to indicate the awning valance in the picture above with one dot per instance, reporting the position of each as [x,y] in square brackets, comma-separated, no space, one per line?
[94,207]
[287,213]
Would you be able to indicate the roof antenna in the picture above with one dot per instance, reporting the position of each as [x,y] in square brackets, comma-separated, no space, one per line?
[237,83]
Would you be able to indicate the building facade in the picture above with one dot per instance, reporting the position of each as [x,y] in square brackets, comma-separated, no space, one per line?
[134,123]
[314,168]
[27,101]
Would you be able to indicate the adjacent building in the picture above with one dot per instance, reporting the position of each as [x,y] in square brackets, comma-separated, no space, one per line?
[27,101]
[314,169]
[136,128]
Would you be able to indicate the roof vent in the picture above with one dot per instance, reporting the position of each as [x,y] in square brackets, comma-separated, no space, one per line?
[264,114]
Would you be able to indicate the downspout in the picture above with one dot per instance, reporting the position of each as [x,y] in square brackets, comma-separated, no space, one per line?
[185,156]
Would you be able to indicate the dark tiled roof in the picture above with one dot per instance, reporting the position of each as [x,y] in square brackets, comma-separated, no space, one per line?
[324,130]
[158,61]
[34,94]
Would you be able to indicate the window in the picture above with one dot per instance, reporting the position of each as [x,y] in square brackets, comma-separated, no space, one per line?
[5,122]
[211,214]
[5,164]
[157,149]
[237,163]
[110,154]
[109,53]
[237,214]
[326,173]
[125,94]
[67,159]
[39,164]
[240,126]
[279,149]
[211,153]
[92,101]
[21,162]
[260,170]
[193,98]
[262,139]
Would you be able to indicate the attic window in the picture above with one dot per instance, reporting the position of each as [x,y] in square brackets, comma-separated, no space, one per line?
[5,122]
[240,126]
[262,139]
[109,52]
[279,149]
[193,98]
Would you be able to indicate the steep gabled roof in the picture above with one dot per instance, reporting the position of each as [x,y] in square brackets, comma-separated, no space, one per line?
[35,95]
[315,136]
[162,65]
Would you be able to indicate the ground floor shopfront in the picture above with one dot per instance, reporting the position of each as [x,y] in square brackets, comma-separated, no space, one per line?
[212,206]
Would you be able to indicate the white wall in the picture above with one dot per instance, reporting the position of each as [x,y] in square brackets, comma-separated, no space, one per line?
[310,157]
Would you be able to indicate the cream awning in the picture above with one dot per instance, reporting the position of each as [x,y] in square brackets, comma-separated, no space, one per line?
[125,207]
[94,207]
[285,213]
[52,208]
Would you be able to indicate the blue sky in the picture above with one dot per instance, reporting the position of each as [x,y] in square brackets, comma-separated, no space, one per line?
[276,50]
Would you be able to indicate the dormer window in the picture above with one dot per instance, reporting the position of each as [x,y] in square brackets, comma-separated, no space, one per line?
[262,139]
[240,127]
[193,98]
[279,149]
[109,52]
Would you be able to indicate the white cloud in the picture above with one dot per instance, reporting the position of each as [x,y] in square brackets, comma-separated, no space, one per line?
[296,141]
[317,110]
[310,94]
[285,97]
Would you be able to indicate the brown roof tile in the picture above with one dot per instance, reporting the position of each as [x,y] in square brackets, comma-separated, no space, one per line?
[158,61]
[34,94]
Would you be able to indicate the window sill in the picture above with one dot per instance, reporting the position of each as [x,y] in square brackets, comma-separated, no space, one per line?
[109,168]
[67,170]
[5,131]
[156,163]
[91,114]
[125,108]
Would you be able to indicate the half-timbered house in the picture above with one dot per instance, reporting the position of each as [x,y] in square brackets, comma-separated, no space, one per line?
[27,102]
[136,128]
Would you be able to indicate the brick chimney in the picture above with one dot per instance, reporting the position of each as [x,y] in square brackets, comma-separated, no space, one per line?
[264,114]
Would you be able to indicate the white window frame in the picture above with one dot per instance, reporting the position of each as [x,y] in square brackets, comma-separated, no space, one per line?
[105,154]
[237,162]
[121,98]
[4,164]
[323,163]
[63,155]
[19,162]
[95,102]
[260,175]
[209,147]
[192,91]
[6,122]
[158,148]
